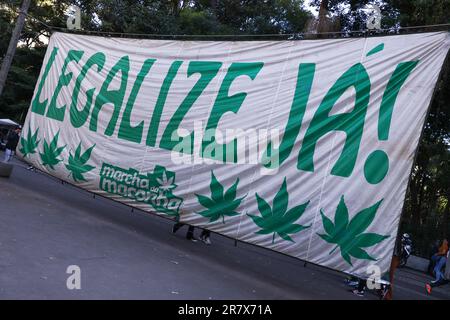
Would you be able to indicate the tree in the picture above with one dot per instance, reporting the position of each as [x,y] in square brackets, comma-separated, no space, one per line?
[7,59]
[25,68]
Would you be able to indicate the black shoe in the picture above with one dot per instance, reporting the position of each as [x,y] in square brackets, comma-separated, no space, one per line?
[193,239]
[437,283]
[175,228]
[206,240]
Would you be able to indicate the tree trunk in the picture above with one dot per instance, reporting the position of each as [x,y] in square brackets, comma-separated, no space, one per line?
[323,10]
[7,60]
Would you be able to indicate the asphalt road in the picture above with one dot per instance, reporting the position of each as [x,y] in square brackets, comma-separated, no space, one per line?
[46,226]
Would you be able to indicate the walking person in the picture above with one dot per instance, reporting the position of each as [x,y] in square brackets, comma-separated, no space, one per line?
[205,236]
[11,144]
[189,234]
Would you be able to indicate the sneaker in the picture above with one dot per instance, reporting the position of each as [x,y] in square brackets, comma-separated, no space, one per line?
[358,293]
[193,239]
[428,288]
[206,240]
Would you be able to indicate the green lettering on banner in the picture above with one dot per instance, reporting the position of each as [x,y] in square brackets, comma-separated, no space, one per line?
[36,106]
[111,96]
[396,81]
[54,111]
[274,158]
[376,166]
[207,70]
[157,112]
[352,123]
[79,117]
[126,130]
[225,103]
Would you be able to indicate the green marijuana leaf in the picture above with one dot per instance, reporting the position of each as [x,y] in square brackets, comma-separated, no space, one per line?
[220,204]
[279,220]
[51,153]
[77,163]
[348,235]
[29,145]
[165,183]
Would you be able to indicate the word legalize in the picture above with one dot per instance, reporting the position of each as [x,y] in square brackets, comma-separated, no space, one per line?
[321,124]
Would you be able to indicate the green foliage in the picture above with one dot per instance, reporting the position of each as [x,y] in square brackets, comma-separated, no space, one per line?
[348,235]
[420,12]
[279,220]
[195,17]
[221,203]
[27,61]
[77,164]
[50,156]
[29,145]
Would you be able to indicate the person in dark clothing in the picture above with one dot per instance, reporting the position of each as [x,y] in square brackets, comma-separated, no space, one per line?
[190,233]
[11,144]
[204,236]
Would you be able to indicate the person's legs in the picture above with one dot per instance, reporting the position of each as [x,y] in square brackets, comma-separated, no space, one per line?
[176,226]
[434,258]
[361,287]
[439,276]
[205,236]
[190,234]
[8,153]
[438,270]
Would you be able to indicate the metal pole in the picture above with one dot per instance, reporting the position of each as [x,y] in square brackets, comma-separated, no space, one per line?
[7,60]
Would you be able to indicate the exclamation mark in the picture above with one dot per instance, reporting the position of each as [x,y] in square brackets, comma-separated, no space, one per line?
[376,166]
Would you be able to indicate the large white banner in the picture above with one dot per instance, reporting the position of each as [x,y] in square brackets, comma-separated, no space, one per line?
[303,147]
